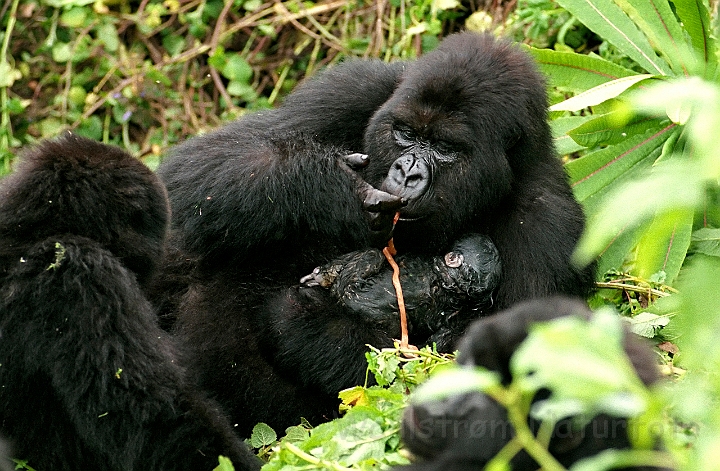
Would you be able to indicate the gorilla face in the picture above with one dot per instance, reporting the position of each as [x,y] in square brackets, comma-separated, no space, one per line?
[448,136]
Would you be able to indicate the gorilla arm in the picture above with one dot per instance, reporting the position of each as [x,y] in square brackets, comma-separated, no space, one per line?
[240,189]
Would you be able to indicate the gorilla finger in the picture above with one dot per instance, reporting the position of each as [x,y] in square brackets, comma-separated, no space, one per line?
[379,201]
[355,161]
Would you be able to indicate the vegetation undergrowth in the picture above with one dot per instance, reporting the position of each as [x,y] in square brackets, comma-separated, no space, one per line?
[636,106]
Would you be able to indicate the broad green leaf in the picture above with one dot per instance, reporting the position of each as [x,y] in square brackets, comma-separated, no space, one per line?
[564,144]
[592,173]
[658,22]
[599,94]
[647,324]
[237,69]
[107,33]
[8,74]
[576,72]
[583,363]
[224,464]
[695,19]
[614,254]
[454,381]
[605,130]
[671,185]
[607,20]
[73,17]
[262,435]
[664,244]
[706,241]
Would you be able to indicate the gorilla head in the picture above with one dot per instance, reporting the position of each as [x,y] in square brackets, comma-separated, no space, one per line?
[449,131]
[73,185]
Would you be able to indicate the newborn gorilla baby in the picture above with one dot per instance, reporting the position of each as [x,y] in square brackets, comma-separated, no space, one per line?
[442,294]
[464,432]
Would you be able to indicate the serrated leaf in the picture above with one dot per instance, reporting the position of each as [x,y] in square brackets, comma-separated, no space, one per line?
[647,324]
[599,94]
[262,435]
[296,433]
[607,20]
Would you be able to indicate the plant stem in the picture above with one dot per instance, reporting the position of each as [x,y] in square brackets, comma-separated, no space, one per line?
[313,460]
[5,127]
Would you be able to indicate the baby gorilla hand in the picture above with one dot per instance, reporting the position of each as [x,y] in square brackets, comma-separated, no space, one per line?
[379,205]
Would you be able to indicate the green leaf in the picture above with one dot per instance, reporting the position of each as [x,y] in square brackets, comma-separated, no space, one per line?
[594,173]
[671,186]
[577,72]
[607,20]
[647,324]
[73,17]
[62,52]
[237,69]
[564,144]
[224,464]
[599,94]
[296,433]
[453,381]
[8,75]
[262,435]
[108,35]
[664,244]
[657,20]
[610,128]
[583,363]
[706,241]
[695,18]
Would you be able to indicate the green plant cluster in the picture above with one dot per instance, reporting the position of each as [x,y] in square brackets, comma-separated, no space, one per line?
[367,436]
[147,74]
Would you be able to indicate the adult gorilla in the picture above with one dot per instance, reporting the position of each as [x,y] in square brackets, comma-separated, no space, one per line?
[88,380]
[458,141]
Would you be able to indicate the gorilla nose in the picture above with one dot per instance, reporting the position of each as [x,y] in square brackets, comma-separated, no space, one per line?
[408,177]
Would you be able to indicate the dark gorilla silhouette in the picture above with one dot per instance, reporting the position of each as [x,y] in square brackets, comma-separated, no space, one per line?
[457,141]
[463,432]
[88,380]
[435,289]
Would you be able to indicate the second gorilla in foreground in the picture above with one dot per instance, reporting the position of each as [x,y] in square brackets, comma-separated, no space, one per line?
[457,141]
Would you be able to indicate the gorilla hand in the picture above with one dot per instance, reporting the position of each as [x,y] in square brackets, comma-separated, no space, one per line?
[379,205]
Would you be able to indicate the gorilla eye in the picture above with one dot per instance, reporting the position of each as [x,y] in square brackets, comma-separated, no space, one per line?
[404,135]
[444,147]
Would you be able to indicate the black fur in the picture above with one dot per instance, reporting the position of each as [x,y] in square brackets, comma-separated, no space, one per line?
[261,202]
[463,432]
[88,380]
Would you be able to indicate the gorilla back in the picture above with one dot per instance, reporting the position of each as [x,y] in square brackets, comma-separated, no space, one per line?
[87,378]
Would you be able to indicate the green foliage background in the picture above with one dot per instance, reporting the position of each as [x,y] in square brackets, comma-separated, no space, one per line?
[636,107]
